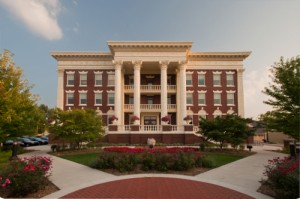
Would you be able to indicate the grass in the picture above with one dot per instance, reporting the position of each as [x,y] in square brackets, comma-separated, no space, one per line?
[218,158]
[4,158]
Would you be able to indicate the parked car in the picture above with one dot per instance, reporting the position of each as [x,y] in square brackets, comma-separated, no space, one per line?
[27,142]
[41,141]
[42,137]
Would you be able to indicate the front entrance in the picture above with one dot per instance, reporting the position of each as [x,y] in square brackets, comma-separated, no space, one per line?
[150,120]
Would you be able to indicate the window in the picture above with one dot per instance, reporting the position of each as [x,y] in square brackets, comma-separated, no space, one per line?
[189,81]
[82,98]
[217,98]
[111,98]
[203,116]
[217,79]
[169,100]
[70,98]
[98,98]
[189,98]
[98,79]
[83,79]
[131,100]
[70,79]
[111,80]
[230,98]
[201,99]
[201,79]
[229,80]
[149,99]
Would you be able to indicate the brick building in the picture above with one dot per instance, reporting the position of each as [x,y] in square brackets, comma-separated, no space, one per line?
[151,80]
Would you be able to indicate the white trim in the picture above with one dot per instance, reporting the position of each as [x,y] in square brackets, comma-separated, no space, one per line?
[231,91]
[69,91]
[110,72]
[217,72]
[230,72]
[201,72]
[202,91]
[70,72]
[98,91]
[110,91]
[189,72]
[82,72]
[98,72]
[217,91]
[82,91]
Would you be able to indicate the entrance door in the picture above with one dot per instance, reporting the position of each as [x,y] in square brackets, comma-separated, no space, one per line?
[150,120]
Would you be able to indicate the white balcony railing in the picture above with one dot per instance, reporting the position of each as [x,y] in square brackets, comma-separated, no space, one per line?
[151,128]
[171,107]
[149,88]
[152,107]
[128,107]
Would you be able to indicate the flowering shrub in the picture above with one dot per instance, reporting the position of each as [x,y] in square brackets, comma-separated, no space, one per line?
[134,118]
[283,177]
[26,176]
[5,182]
[112,118]
[187,118]
[166,118]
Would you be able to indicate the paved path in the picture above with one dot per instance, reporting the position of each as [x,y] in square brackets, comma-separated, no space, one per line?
[242,176]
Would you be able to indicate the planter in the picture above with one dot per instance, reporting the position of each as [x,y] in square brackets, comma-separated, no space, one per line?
[188,121]
[136,122]
[114,122]
[164,122]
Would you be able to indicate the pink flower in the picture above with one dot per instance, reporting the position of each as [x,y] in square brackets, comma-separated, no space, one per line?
[7,181]
[3,185]
[0,178]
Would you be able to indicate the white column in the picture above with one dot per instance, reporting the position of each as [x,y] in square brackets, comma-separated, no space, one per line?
[118,94]
[164,88]
[240,89]
[178,96]
[182,83]
[137,82]
[60,89]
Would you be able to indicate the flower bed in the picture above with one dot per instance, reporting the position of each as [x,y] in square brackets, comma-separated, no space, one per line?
[283,177]
[25,176]
[153,150]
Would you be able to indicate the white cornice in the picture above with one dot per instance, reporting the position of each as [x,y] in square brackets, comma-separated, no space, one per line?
[220,55]
[59,55]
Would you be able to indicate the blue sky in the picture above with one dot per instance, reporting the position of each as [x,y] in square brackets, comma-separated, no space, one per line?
[31,29]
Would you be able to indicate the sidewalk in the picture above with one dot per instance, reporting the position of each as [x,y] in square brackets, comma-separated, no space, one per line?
[242,176]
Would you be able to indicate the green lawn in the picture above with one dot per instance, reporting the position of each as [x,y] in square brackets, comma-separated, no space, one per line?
[4,158]
[85,159]
[218,159]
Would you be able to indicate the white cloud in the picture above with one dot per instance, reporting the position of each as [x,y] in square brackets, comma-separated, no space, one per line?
[254,83]
[40,16]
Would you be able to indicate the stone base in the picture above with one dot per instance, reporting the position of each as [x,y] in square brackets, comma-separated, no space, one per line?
[166,127]
[188,127]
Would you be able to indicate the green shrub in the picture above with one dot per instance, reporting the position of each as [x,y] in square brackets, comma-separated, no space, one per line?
[183,161]
[283,177]
[162,162]
[148,161]
[104,161]
[202,147]
[125,162]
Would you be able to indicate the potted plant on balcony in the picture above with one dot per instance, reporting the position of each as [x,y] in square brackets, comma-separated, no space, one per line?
[187,119]
[113,119]
[166,119]
[135,119]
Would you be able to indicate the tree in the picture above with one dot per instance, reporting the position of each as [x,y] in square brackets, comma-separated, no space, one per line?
[18,108]
[285,98]
[230,128]
[76,126]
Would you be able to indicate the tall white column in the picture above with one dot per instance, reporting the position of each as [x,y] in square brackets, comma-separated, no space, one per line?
[60,89]
[164,88]
[182,83]
[118,94]
[178,96]
[240,89]
[137,82]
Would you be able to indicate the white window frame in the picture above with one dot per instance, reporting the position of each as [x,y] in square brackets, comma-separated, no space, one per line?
[110,78]
[109,95]
[83,96]
[83,78]
[68,93]
[98,93]
[70,74]
[98,77]
[199,78]
[189,96]
[230,79]
[189,78]
[217,93]
[230,93]
[217,79]
[201,96]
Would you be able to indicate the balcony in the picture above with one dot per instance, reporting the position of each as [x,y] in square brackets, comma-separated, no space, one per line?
[150,107]
[149,88]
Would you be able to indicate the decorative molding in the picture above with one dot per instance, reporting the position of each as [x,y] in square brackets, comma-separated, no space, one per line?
[201,72]
[217,72]
[69,91]
[110,72]
[82,91]
[230,72]
[217,91]
[230,91]
[69,72]
[98,91]
[202,91]
[82,72]
[189,72]
[98,72]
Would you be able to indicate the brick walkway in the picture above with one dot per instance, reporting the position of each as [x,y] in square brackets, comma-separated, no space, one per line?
[157,187]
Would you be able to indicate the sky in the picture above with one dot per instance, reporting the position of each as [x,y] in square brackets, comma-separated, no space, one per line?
[31,29]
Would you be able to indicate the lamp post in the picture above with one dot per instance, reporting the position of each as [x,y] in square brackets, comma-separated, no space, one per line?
[14,151]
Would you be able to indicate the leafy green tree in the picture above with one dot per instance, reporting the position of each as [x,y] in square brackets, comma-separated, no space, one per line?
[230,128]
[285,98]
[76,126]
[18,108]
